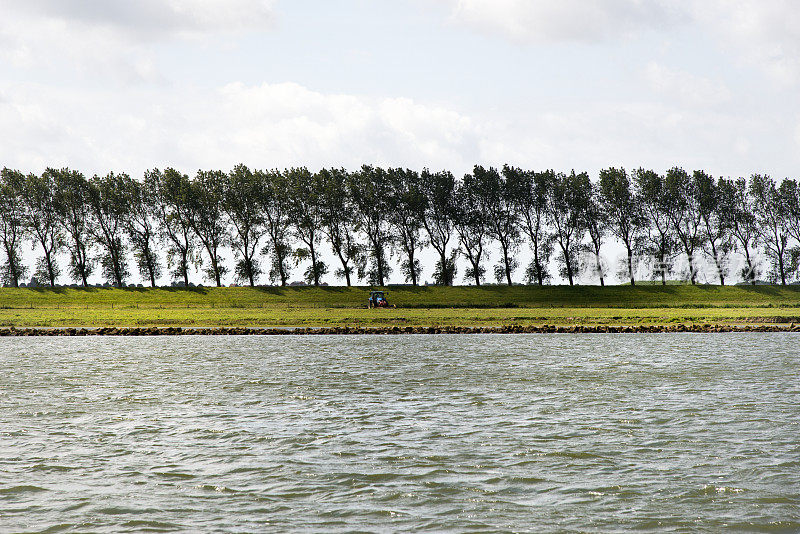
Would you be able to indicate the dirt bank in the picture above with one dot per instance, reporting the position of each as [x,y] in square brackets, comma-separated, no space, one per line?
[395,330]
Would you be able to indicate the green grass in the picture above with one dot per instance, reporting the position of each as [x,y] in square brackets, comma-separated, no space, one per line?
[423,306]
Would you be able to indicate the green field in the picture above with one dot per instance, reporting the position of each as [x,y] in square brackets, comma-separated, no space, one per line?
[420,306]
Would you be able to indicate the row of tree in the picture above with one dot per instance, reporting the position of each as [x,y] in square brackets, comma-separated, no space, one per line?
[368,216]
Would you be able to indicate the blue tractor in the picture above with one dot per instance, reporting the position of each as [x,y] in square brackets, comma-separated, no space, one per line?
[377,299]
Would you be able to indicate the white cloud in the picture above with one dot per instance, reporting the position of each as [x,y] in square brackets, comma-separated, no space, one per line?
[797,134]
[286,124]
[99,126]
[151,18]
[268,125]
[686,88]
[117,41]
[765,33]
[289,123]
[565,20]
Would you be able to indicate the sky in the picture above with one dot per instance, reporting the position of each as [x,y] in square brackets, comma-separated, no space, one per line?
[103,85]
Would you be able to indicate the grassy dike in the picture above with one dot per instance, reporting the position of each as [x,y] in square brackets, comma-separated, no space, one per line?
[489,306]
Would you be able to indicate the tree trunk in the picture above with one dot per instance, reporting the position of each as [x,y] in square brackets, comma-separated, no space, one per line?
[185,267]
[115,266]
[750,269]
[215,265]
[630,265]
[691,268]
[281,270]
[117,270]
[569,269]
[717,262]
[247,256]
[345,268]
[152,269]
[379,260]
[411,268]
[599,268]
[82,266]
[314,270]
[12,266]
[49,264]
[538,266]
[14,270]
[52,275]
[506,262]
[719,270]
[279,257]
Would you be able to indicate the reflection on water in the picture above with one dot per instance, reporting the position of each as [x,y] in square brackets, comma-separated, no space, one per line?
[667,432]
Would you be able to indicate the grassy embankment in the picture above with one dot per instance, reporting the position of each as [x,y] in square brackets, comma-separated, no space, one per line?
[425,306]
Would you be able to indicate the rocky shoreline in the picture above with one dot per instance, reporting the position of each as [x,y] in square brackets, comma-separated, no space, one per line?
[393,330]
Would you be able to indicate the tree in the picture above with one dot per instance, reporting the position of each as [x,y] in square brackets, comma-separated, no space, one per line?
[786,195]
[595,220]
[12,225]
[771,216]
[790,193]
[74,215]
[340,222]
[371,192]
[240,191]
[623,210]
[109,208]
[472,225]
[172,212]
[716,236]
[739,212]
[305,204]
[530,191]
[274,204]
[440,208]
[407,217]
[207,219]
[567,205]
[501,216]
[140,224]
[38,194]
[657,216]
[682,194]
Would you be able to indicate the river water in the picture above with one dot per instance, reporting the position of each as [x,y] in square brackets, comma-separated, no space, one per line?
[524,433]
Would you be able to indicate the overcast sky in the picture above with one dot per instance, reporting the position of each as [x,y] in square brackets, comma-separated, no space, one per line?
[116,85]
[102,85]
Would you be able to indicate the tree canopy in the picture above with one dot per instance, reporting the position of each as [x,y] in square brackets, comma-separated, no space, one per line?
[372,220]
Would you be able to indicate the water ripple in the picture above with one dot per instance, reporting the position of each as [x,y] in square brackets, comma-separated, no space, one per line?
[546,433]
